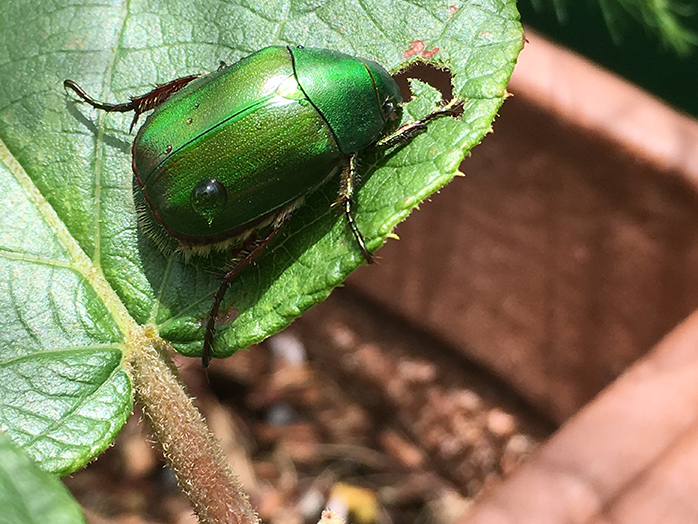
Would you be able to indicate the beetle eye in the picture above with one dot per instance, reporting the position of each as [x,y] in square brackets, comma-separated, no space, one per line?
[209,197]
[389,110]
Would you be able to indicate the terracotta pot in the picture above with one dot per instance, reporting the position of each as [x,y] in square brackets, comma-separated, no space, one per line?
[563,257]
[569,248]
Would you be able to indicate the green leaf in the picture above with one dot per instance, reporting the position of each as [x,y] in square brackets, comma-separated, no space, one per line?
[80,283]
[30,495]
[63,388]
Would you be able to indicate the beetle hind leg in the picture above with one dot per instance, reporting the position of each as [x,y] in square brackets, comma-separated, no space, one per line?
[345,201]
[137,104]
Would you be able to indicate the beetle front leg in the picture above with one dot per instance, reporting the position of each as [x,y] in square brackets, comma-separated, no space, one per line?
[345,200]
[412,129]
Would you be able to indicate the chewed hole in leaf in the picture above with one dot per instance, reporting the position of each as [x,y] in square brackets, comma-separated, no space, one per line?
[438,78]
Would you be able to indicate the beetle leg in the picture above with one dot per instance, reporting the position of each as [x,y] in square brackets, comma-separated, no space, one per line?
[411,129]
[345,200]
[244,259]
[137,104]
[350,172]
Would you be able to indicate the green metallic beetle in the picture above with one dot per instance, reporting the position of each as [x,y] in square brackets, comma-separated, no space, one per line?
[226,157]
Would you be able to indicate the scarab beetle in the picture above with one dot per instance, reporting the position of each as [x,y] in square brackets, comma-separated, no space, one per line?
[226,157]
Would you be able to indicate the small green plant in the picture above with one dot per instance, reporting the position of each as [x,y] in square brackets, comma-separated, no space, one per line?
[665,19]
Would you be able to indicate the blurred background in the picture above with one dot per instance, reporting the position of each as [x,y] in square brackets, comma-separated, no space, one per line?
[651,44]
[472,374]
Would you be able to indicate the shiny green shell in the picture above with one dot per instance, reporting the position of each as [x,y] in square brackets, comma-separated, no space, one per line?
[234,147]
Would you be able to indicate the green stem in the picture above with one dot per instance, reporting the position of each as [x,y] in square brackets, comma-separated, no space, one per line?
[191,450]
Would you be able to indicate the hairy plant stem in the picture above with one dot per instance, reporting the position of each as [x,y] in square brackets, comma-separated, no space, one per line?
[191,450]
